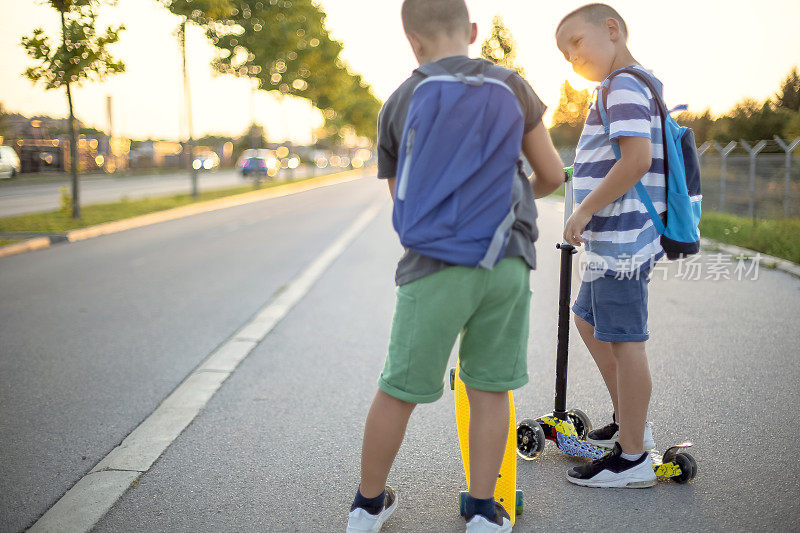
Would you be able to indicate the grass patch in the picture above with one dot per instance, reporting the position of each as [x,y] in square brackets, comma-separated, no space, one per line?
[3,243]
[60,221]
[780,238]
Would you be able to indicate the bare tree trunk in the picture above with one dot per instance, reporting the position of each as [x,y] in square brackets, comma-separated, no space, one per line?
[188,99]
[73,138]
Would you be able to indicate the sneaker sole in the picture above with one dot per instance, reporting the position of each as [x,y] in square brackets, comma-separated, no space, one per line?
[616,484]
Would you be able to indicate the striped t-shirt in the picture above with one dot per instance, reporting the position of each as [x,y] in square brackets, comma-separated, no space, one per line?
[621,236]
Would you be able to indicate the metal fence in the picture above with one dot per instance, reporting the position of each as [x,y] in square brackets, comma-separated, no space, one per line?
[741,179]
[747,179]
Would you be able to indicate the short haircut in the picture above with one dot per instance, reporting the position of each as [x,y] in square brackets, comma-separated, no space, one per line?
[596,14]
[431,18]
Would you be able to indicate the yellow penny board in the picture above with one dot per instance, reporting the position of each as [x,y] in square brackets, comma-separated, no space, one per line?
[505,492]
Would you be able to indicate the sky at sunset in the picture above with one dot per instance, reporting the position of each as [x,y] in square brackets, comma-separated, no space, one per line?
[710,54]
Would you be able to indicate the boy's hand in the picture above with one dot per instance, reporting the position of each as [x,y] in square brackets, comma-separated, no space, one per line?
[575,225]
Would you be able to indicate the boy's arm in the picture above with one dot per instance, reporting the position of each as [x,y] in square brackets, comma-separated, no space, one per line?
[390,183]
[635,161]
[548,169]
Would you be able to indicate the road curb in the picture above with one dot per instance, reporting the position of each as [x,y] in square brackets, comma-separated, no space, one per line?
[779,264]
[25,246]
[185,211]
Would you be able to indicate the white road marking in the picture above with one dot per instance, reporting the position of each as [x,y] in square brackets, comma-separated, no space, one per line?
[94,494]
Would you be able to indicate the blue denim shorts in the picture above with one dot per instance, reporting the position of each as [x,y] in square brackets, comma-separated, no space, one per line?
[617,308]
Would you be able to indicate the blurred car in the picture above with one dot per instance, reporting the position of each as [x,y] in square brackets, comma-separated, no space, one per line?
[9,162]
[258,162]
[206,161]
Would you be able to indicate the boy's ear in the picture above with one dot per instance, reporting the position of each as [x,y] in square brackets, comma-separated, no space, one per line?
[416,44]
[473,33]
[614,32]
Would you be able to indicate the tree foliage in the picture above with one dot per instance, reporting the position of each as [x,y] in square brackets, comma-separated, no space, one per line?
[751,120]
[702,124]
[82,53]
[788,96]
[500,47]
[285,45]
[569,116]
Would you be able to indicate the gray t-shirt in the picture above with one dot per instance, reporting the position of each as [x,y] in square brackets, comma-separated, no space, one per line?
[413,265]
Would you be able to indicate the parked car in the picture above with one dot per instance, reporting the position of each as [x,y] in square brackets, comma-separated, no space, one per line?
[206,161]
[258,162]
[9,162]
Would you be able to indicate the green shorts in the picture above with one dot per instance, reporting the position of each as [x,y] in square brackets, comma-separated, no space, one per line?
[489,308]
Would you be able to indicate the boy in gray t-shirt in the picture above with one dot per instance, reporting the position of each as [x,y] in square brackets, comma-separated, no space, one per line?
[437,301]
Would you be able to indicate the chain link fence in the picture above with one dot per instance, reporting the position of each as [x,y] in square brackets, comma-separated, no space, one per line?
[759,179]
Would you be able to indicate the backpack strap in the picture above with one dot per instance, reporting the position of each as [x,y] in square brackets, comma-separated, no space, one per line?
[432,69]
[601,108]
[502,233]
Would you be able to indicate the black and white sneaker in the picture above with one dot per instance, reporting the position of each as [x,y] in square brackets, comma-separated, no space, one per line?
[613,470]
[481,524]
[361,521]
[607,436]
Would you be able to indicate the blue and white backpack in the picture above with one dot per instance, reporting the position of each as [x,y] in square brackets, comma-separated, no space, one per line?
[680,234]
[457,186]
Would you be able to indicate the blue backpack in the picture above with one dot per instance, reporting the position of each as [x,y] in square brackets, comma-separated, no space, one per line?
[457,188]
[680,234]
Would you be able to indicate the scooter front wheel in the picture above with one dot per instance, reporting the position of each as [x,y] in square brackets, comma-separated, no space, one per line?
[530,439]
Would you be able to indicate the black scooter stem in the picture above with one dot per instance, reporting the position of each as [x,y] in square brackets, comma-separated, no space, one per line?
[564,294]
[562,354]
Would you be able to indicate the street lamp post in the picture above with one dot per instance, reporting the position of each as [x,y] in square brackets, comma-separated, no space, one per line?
[188,101]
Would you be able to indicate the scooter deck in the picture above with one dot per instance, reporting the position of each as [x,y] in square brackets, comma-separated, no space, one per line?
[506,489]
[666,466]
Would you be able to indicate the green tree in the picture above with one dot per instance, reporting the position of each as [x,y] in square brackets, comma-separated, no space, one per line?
[285,45]
[792,129]
[788,96]
[701,124]
[751,120]
[500,47]
[81,55]
[569,116]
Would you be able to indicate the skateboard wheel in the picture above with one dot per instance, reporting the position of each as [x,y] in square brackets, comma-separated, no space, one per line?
[452,379]
[530,439]
[581,422]
[684,461]
[462,502]
[520,503]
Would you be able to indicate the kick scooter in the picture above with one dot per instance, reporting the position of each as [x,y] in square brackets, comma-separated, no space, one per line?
[569,429]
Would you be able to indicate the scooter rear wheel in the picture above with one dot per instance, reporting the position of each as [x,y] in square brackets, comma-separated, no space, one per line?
[581,422]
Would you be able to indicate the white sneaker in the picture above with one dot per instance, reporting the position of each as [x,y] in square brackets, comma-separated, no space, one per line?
[481,524]
[360,521]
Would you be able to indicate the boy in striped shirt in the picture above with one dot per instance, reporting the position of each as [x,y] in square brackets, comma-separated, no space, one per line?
[621,241]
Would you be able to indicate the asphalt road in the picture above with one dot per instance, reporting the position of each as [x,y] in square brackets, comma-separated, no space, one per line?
[95,334]
[26,197]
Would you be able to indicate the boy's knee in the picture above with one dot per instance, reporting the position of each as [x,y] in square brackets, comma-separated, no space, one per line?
[628,349]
